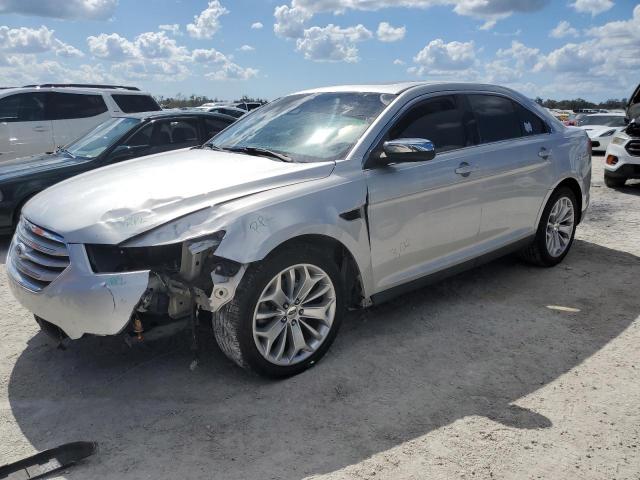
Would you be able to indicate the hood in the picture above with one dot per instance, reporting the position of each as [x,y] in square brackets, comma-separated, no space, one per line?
[596,130]
[20,167]
[112,204]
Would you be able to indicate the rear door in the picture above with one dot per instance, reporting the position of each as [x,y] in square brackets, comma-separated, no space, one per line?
[24,129]
[514,168]
[75,114]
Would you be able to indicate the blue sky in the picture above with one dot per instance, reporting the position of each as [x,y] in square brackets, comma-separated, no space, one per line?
[226,48]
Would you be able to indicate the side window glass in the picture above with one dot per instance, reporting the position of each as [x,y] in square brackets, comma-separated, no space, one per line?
[438,119]
[496,118]
[141,138]
[530,123]
[183,132]
[74,105]
[23,107]
[213,127]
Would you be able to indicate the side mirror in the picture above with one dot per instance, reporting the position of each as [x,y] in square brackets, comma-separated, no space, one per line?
[123,152]
[408,150]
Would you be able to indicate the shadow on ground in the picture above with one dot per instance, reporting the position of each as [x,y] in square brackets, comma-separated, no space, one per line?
[472,345]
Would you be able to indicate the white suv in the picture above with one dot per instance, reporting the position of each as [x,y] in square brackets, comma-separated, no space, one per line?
[37,118]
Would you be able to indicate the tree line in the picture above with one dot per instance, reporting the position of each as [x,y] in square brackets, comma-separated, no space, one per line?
[180,101]
[579,103]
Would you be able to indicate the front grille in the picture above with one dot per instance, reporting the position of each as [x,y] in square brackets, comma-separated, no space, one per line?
[37,255]
[633,147]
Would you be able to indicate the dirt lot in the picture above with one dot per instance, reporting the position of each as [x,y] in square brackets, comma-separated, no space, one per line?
[475,377]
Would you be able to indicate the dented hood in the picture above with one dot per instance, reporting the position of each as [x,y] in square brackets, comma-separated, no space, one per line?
[115,203]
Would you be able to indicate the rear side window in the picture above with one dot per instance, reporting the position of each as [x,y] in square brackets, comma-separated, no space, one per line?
[530,123]
[213,126]
[23,107]
[496,118]
[75,105]
[136,103]
[439,119]
[175,132]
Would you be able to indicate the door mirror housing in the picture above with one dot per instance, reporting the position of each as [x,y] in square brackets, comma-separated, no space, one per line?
[404,150]
[123,152]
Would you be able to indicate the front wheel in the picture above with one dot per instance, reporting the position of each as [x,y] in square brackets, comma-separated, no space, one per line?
[614,182]
[556,230]
[286,312]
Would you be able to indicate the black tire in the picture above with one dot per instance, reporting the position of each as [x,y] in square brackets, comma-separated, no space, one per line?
[232,324]
[537,252]
[614,182]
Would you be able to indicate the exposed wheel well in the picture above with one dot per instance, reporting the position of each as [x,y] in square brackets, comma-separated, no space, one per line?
[343,258]
[573,184]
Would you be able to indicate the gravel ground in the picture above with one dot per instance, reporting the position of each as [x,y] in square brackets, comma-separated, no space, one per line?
[475,377]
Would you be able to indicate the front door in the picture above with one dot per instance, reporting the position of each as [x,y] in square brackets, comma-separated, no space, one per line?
[424,216]
[23,128]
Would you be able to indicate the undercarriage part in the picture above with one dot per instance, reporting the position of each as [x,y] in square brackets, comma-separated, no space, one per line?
[224,286]
[138,329]
[49,461]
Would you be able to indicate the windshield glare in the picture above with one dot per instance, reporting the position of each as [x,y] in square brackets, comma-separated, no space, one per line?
[102,137]
[307,127]
[608,121]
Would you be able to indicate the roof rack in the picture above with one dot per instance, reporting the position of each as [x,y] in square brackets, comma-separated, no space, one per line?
[82,85]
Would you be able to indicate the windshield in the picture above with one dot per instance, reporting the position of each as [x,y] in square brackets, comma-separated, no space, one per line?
[306,127]
[606,120]
[102,137]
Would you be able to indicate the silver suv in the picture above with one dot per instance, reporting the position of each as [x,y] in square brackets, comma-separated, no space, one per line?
[318,202]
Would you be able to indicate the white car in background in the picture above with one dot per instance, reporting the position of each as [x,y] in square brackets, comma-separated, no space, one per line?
[601,127]
[38,118]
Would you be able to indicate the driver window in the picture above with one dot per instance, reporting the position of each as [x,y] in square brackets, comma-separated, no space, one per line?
[439,119]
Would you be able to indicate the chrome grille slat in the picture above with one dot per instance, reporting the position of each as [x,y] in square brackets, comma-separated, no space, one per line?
[37,256]
[41,244]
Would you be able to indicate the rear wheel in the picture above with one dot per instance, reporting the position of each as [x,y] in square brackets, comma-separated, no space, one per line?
[285,315]
[614,182]
[556,230]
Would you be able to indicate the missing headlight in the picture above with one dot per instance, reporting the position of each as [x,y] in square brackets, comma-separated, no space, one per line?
[114,259]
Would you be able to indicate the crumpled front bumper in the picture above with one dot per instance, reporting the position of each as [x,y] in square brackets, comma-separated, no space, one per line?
[80,301]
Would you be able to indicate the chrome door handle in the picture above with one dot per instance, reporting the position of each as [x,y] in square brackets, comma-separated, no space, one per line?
[544,153]
[40,129]
[465,169]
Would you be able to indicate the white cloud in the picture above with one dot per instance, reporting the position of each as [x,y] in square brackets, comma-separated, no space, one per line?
[211,55]
[69,9]
[440,58]
[520,54]
[563,29]
[172,28]
[290,21]
[26,40]
[207,23]
[111,47]
[594,7]
[246,48]
[572,57]
[388,33]
[231,71]
[332,43]
[257,25]
[397,61]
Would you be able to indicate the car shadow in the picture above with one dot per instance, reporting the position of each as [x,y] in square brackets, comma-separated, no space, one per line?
[472,345]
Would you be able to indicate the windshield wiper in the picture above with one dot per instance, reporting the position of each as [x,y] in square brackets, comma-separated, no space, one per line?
[260,151]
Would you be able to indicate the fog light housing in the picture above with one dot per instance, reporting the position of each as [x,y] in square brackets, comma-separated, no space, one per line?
[611,160]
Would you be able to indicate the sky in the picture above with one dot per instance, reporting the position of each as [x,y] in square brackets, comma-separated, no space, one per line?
[267,48]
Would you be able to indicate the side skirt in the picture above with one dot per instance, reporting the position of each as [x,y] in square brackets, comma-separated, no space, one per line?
[398,290]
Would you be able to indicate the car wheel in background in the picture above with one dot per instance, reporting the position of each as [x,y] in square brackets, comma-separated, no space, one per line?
[556,230]
[286,312]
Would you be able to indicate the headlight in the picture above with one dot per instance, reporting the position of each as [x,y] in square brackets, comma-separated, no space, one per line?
[608,133]
[114,259]
[619,140]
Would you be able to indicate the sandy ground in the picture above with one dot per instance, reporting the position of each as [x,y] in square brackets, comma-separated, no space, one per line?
[475,377]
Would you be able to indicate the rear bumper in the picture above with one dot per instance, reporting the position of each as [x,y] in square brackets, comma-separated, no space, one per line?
[80,301]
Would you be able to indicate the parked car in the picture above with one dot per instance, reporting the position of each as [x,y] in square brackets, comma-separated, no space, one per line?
[225,110]
[320,201]
[601,127]
[622,158]
[37,118]
[248,106]
[117,139]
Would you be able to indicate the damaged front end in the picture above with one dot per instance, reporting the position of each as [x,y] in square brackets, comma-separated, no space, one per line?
[105,289]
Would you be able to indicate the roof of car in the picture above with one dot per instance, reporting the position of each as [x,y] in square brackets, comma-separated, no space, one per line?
[606,114]
[397,88]
[175,112]
[75,89]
